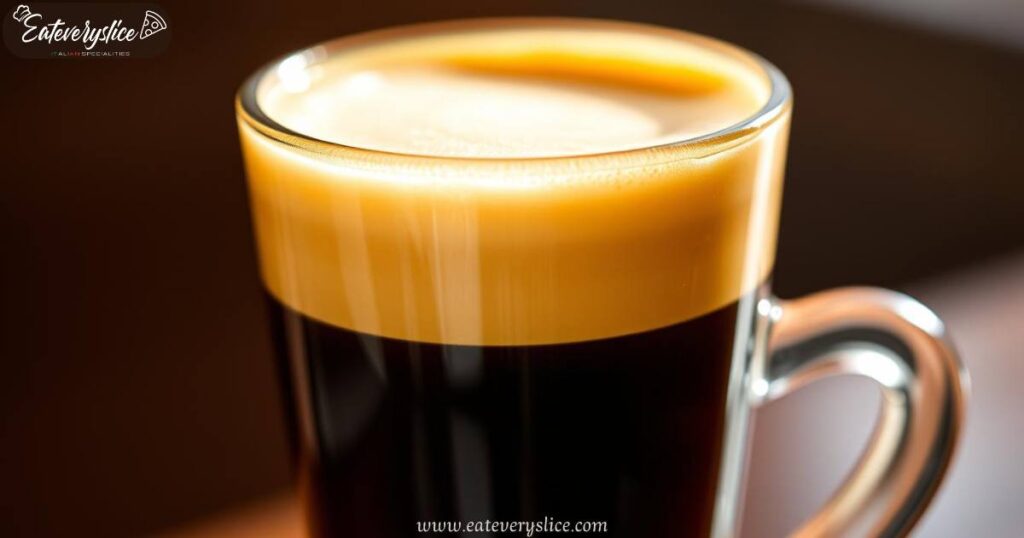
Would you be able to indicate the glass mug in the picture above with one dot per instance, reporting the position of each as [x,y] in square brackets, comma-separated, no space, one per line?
[564,341]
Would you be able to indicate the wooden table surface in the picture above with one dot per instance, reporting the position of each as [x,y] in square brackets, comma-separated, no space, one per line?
[803,445]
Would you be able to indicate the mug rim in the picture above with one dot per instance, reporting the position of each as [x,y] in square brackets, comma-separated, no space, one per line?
[251,113]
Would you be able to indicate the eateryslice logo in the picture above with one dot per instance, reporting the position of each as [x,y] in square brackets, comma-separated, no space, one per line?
[88,35]
[86,29]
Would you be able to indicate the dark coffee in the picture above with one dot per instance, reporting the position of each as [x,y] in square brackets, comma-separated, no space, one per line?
[624,430]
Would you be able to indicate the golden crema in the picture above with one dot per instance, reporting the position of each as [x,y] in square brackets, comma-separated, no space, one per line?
[514,184]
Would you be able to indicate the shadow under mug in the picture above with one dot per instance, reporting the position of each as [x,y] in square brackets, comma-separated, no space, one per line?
[574,340]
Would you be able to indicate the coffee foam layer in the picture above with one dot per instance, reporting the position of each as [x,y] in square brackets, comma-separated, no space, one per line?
[503,254]
[514,93]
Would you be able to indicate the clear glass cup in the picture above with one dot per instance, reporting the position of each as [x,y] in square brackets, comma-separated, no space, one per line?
[574,339]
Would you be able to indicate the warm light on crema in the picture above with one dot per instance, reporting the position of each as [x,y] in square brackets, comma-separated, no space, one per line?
[498,252]
[514,93]
[293,75]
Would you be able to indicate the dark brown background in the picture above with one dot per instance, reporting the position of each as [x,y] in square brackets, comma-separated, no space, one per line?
[137,389]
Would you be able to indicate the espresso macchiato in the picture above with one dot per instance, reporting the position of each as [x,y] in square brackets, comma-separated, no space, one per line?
[507,278]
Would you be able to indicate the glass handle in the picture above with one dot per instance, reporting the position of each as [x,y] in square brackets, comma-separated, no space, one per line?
[903,346]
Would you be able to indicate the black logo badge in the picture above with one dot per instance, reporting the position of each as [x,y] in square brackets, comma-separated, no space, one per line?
[87,30]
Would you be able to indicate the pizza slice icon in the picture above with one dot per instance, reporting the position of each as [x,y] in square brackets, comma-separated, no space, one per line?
[152,24]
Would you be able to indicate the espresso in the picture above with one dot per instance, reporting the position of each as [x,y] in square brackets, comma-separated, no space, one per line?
[505,286]
[626,430]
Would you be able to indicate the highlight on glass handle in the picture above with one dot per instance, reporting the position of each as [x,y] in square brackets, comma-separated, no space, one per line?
[903,346]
